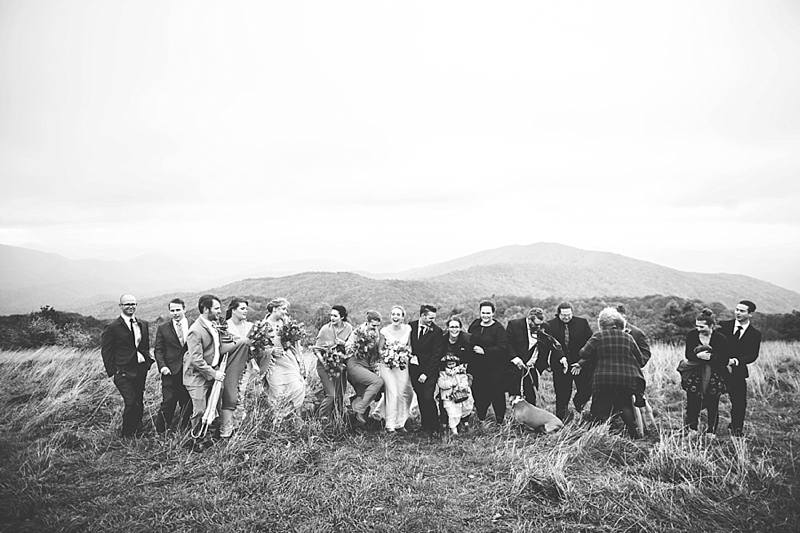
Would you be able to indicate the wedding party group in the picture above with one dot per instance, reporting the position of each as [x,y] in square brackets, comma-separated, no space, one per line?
[455,374]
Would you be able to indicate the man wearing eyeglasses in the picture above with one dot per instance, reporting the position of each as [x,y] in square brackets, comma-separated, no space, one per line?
[126,355]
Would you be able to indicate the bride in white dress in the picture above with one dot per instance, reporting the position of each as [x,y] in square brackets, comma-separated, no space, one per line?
[398,393]
[284,369]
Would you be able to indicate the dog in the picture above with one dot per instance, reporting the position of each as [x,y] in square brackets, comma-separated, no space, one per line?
[534,418]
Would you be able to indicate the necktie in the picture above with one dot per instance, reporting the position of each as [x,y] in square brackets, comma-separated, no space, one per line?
[179,329]
[133,332]
[738,332]
[566,335]
[422,331]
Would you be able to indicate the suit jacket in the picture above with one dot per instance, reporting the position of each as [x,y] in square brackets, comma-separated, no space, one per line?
[517,333]
[745,349]
[168,349]
[119,351]
[427,348]
[641,341]
[579,333]
[200,353]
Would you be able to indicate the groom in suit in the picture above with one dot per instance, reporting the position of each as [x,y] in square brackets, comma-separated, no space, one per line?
[529,349]
[203,355]
[744,343]
[170,347]
[426,351]
[125,347]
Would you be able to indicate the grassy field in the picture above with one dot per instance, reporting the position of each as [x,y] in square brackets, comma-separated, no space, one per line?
[64,468]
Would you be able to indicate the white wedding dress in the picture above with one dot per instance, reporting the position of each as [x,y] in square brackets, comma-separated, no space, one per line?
[286,380]
[398,394]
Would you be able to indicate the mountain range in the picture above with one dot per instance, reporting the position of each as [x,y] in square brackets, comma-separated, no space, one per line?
[30,279]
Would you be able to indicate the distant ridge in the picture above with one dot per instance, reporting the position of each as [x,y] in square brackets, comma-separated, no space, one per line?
[541,270]
[549,269]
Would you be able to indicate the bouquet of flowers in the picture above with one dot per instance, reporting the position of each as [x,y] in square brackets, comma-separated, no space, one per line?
[261,335]
[292,332]
[332,359]
[221,325]
[396,355]
[364,342]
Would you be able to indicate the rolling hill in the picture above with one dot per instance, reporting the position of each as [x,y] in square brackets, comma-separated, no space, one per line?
[539,270]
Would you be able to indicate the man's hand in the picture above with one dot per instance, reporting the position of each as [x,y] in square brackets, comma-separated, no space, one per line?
[219,376]
[733,362]
[517,361]
[705,356]
[165,371]
[565,364]
[422,378]
[576,369]
[478,350]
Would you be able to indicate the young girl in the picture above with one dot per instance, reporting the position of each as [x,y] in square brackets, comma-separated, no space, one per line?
[454,391]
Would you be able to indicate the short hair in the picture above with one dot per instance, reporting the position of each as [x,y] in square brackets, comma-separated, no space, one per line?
[537,312]
[751,307]
[424,309]
[487,303]
[621,309]
[563,305]
[206,301]
[707,316]
[454,319]
[372,316]
[276,302]
[610,318]
[342,311]
[400,307]
[177,301]
[235,303]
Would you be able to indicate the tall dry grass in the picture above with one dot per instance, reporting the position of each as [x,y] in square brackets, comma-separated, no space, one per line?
[66,469]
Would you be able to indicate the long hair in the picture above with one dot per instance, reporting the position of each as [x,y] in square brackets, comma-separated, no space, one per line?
[235,303]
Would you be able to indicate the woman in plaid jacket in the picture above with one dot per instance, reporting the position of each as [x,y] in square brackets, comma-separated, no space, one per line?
[617,363]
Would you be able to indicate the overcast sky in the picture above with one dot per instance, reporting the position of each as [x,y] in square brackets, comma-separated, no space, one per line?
[394,135]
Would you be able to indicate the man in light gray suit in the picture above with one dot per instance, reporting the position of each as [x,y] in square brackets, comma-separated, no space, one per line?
[205,348]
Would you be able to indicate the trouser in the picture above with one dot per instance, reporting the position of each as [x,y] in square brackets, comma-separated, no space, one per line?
[428,410]
[488,388]
[131,388]
[562,384]
[199,396]
[173,394]
[607,401]
[366,383]
[737,392]
[334,390]
[693,407]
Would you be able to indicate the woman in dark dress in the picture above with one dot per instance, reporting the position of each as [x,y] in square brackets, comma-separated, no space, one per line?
[703,371]
[489,359]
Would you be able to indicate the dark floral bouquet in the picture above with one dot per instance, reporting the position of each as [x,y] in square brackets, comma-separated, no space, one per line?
[332,359]
[261,335]
[292,332]
[363,345]
[396,355]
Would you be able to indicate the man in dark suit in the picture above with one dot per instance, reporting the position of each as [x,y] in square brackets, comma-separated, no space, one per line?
[744,343]
[572,333]
[170,347]
[426,350]
[125,347]
[529,348]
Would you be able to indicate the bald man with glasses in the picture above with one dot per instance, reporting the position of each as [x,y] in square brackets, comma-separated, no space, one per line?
[125,347]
